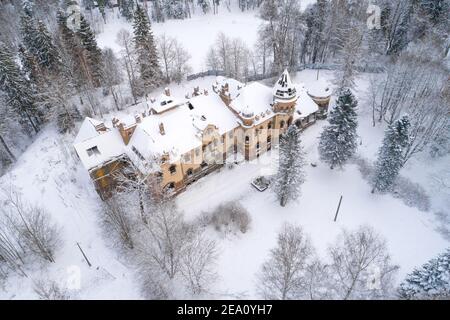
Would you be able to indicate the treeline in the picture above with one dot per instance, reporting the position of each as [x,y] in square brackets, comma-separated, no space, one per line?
[53,71]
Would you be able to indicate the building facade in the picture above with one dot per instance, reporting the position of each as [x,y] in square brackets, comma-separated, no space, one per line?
[181,141]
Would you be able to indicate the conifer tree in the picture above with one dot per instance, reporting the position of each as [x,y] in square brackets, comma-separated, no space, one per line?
[338,139]
[126,8]
[46,52]
[17,90]
[147,57]
[92,52]
[431,281]
[390,156]
[290,175]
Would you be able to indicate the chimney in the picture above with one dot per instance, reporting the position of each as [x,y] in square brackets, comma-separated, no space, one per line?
[115,121]
[167,92]
[137,117]
[161,128]
[205,92]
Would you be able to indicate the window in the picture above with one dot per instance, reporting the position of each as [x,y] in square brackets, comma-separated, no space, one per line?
[187,158]
[172,169]
[92,151]
[282,124]
[247,139]
[269,126]
[170,186]
[189,172]
[269,139]
[203,165]
[140,156]
[190,106]
[257,146]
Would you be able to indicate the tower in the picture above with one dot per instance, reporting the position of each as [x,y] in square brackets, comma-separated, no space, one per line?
[284,94]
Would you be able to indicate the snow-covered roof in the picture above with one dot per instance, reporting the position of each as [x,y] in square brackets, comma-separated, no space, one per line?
[87,130]
[163,103]
[284,90]
[254,98]
[305,105]
[183,127]
[176,128]
[100,149]
[319,88]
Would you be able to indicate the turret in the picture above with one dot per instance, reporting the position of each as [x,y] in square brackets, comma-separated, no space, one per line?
[284,94]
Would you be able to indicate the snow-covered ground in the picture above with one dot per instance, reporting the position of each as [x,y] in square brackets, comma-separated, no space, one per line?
[196,34]
[49,174]
[411,234]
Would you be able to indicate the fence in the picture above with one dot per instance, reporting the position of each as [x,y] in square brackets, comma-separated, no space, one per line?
[259,77]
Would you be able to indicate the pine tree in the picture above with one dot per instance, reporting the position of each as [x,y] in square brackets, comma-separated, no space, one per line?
[147,57]
[17,89]
[28,28]
[126,8]
[174,9]
[46,52]
[290,174]
[338,139]
[92,51]
[390,156]
[431,281]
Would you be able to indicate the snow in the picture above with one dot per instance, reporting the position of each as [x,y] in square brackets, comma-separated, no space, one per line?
[109,145]
[196,34]
[305,105]
[87,130]
[254,98]
[49,174]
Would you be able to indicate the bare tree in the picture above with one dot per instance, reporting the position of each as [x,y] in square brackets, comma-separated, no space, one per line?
[174,58]
[33,225]
[317,279]
[116,216]
[283,275]
[50,290]
[11,253]
[125,40]
[198,262]
[111,74]
[361,266]
[419,88]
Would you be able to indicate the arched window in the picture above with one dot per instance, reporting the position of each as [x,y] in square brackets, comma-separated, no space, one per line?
[282,124]
[173,169]
[247,139]
[269,126]
[170,186]
[257,146]
[269,139]
[189,172]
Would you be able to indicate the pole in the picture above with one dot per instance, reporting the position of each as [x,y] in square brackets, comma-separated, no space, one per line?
[337,211]
[85,258]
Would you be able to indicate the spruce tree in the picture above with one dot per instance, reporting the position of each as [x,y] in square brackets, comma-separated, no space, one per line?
[390,155]
[92,51]
[126,8]
[147,57]
[17,90]
[431,281]
[338,139]
[46,52]
[290,175]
